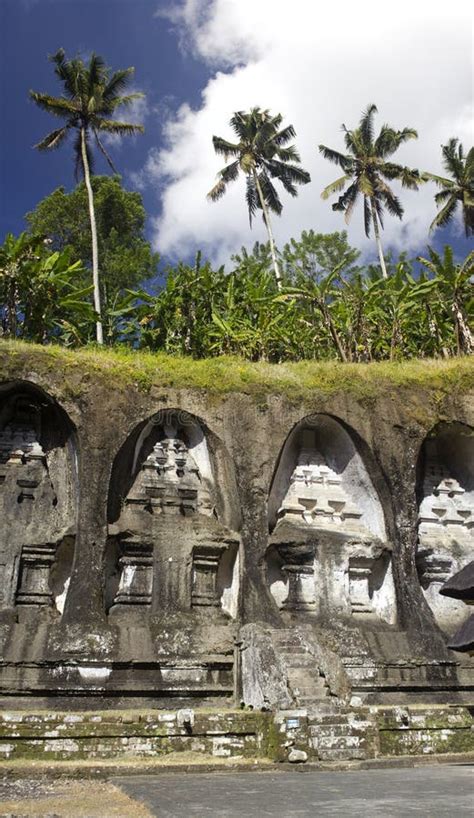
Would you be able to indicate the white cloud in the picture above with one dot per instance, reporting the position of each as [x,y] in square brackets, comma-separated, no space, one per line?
[320,67]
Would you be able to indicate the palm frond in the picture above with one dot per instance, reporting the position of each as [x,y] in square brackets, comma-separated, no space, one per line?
[217,191]
[64,71]
[95,73]
[270,195]
[53,139]
[367,126]
[287,172]
[104,151]
[335,186]
[230,172]
[115,126]
[409,177]
[405,135]
[119,102]
[284,135]
[441,181]
[365,184]
[242,125]
[350,200]
[443,195]
[251,197]
[469,165]
[391,202]
[354,142]
[453,158]
[225,148]
[344,161]
[117,83]
[445,215]
[383,145]
[289,154]
[58,106]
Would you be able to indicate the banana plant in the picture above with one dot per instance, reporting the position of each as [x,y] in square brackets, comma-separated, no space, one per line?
[40,298]
[455,291]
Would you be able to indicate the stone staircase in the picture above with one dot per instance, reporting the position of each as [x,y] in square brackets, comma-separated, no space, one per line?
[305,680]
[340,734]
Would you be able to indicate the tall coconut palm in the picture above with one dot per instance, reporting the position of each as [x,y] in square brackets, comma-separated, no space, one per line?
[366,169]
[261,154]
[91,95]
[460,188]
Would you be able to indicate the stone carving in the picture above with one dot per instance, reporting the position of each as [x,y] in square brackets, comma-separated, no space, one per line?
[327,554]
[445,534]
[136,574]
[315,495]
[204,577]
[170,480]
[35,567]
[36,505]
[170,542]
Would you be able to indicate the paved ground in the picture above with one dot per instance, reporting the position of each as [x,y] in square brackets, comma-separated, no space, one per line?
[424,791]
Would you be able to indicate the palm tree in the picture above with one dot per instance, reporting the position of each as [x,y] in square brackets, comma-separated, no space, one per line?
[90,98]
[262,154]
[460,188]
[366,171]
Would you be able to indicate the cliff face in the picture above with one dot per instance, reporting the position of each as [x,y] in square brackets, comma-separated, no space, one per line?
[153,507]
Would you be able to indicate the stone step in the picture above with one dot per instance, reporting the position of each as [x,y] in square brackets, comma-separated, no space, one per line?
[309,674]
[297,660]
[291,649]
[327,722]
[283,644]
[324,733]
[336,742]
[341,755]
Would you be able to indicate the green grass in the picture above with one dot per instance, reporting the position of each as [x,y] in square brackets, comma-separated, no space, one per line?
[121,368]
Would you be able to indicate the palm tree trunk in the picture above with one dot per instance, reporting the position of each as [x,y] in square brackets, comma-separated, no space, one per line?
[95,250]
[377,239]
[266,218]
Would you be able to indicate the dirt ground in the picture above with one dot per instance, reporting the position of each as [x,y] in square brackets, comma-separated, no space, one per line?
[29,798]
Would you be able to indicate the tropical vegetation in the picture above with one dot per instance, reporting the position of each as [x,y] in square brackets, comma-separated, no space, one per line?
[459,189]
[126,257]
[327,306]
[367,169]
[91,96]
[311,300]
[262,154]
[40,297]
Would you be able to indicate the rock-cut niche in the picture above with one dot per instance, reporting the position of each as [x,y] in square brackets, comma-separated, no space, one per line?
[446,515]
[328,551]
[173,517]
[38,498]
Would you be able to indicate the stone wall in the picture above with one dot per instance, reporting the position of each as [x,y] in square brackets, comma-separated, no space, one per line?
[143,532]
[352,734]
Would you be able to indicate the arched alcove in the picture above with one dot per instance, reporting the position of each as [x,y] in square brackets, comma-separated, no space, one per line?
[328,549]
[445,489]
[38,500]
[173,512]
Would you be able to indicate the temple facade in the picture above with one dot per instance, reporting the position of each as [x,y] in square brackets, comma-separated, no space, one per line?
[165,547]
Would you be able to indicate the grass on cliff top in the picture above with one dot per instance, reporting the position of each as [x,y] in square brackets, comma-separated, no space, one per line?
[122,367]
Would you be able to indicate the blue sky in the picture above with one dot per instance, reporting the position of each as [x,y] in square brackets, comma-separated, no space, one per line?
[126,33]
[217,56]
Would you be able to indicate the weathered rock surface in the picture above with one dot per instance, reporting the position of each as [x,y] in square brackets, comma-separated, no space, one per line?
[172,546]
